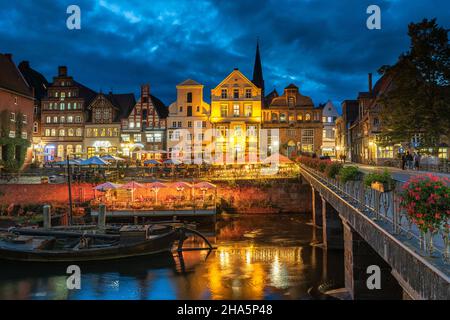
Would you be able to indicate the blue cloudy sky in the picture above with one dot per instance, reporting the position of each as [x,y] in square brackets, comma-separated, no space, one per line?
[322,46]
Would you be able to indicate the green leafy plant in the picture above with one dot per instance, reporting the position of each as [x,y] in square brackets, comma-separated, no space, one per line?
[384,178]
[350,173]
[332,169]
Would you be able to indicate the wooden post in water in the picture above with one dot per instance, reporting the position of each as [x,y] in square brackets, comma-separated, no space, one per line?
[101,219]
[70,190]
[47,217]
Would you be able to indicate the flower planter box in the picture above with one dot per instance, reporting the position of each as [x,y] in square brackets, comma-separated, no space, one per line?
[381,187]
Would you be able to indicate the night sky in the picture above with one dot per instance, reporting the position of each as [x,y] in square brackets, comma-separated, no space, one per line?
[323,47]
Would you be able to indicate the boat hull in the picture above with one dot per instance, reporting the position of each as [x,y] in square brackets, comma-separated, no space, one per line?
[158,244]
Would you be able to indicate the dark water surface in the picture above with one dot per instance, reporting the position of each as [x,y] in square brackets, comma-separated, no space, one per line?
[257,257]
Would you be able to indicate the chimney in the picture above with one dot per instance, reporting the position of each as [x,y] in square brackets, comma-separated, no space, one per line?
[145,90]
[62,71]
[24,64]
[8,56]
[370,82]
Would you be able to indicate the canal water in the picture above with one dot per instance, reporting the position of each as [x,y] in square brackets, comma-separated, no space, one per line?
[257,257]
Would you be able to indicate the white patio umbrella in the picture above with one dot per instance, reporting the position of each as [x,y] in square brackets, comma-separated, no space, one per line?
[133,185]
[156,186]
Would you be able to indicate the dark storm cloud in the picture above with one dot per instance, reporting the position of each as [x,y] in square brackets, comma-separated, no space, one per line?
[322,46]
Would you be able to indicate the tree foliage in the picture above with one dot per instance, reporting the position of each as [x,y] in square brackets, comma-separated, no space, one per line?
[418,99]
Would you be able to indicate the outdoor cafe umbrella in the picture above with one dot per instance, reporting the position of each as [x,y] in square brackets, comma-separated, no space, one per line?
[181,185]
[133,185]
[105,187]
[111,158]
[152,161]
[204,186]
[94,161]
[277,158]
[155,186]
[172,162]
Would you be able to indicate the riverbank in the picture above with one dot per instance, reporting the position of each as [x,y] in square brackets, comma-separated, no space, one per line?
[243,196]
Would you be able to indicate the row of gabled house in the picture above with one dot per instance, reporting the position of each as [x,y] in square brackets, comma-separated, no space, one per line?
[359,132]
[63,117]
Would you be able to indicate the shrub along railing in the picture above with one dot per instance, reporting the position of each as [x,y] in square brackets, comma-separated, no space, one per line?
[384,203]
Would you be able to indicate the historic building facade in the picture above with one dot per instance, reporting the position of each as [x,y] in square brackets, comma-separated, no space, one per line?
[39,84]
[102,131]
[329,116]
[188,123]
[236,117]
[63,116]
[144,128]
[16,115]
[298,121]
[366,145]
[350,109]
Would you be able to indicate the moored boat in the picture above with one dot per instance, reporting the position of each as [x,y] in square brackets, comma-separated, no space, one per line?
[50,246]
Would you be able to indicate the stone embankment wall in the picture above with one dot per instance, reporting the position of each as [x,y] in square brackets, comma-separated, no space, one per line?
[245,196]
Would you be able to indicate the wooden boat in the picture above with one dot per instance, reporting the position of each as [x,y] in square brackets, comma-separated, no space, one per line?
[49,246]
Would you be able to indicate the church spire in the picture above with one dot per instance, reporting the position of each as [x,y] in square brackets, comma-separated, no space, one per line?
[258,78]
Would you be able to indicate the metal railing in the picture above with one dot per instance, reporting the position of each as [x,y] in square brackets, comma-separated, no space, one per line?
[384,209]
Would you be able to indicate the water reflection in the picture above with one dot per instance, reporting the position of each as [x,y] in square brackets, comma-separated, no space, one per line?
[267,257]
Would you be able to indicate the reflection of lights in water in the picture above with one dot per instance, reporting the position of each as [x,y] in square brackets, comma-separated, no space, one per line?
[240,272]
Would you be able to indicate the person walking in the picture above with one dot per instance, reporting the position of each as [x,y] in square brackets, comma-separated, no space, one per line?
[409,160]
[416,161]
[403,161]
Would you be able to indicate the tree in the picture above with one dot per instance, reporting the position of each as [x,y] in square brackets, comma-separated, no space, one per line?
[418,99]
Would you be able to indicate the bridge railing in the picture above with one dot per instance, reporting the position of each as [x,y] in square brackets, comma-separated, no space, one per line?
[384,209]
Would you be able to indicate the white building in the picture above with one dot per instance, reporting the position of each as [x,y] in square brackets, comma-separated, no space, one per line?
[329,116]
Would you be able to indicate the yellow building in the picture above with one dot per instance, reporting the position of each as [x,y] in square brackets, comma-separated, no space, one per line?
[188,123]
[236,118]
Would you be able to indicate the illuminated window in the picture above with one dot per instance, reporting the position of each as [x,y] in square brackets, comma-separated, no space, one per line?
[248,93]
[443,153]
[386,152]
[53,133]
[78,148]
[125,137]
[62,132]
[307,140]
[248,110]
[79,132]
[71,132]
[224,110]
[70,119]
[236,111]
[308,117]
[283,117]
[137,138]
[61,151]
